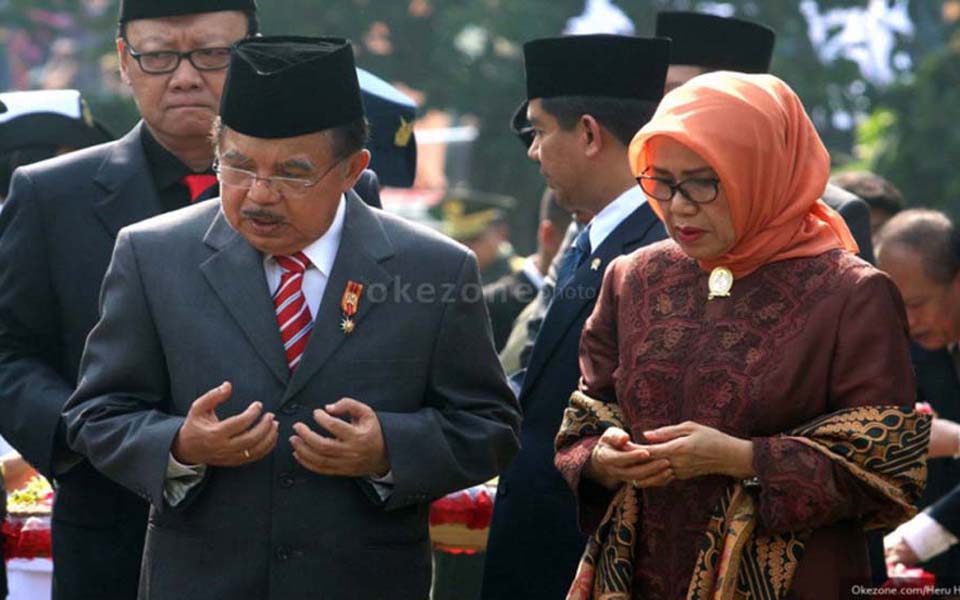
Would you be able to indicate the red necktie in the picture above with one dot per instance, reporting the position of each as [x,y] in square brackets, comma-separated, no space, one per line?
[293,314]
[198,184]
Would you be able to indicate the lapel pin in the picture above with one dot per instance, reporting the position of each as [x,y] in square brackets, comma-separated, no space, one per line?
[595,265]
[349,304]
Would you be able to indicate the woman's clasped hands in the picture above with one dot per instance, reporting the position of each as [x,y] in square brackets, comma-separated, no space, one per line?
[681,451]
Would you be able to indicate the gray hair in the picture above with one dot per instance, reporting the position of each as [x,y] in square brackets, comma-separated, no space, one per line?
[929,233]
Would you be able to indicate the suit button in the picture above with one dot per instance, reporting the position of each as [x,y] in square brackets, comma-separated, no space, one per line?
[287,480]
[282,554]
[291,408]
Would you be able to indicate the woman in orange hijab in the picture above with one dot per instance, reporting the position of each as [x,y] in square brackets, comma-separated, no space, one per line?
[745,410]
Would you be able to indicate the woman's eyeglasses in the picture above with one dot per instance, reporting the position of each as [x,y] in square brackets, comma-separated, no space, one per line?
[699,190]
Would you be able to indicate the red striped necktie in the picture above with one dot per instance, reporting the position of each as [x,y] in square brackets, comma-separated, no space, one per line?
[293,314]
[197,184]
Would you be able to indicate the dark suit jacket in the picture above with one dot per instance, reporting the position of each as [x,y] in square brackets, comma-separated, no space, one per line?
[57,232]
[534,543]
[939,385]
[185,306]
[506,299]
[946,512]
[856,214]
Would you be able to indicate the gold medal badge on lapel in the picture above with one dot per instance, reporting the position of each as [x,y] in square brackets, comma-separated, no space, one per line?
[721,282]
[349,304]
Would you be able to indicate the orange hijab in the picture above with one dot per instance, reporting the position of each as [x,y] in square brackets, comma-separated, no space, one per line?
[773,167]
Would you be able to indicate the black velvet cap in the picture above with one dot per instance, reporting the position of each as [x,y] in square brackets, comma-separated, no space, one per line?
[612,66]
[717,43]
[155,9]
[285,86]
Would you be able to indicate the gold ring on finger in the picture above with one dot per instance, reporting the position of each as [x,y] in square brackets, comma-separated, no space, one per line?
[246,454]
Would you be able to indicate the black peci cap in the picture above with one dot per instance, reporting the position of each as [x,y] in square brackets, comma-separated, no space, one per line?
[155,9]
[592,65]
[611,66]
[286,86]
[717,43]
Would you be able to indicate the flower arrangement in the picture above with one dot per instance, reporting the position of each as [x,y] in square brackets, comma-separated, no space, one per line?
[34,499]
[27,528]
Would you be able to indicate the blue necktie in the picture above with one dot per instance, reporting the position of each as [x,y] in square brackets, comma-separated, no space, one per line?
[575,256]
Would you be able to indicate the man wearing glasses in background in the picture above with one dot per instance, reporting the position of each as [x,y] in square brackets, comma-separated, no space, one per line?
[57,232]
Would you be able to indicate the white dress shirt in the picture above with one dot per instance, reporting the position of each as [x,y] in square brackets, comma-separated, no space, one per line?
[924,535]
[322,254]
[608,219]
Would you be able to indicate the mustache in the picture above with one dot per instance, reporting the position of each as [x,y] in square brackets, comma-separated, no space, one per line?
[262,215]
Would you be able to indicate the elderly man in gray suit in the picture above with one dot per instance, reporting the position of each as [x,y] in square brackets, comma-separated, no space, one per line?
[288,376]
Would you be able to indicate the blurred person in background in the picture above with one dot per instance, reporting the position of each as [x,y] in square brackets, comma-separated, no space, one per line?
[883,198]
[704,43]
[43,124]
[508,298]
[57,231]
[476,220]
[920,249]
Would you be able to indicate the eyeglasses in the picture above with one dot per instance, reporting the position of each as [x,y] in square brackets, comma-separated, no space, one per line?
[287,186]
[699,190]
[167,61]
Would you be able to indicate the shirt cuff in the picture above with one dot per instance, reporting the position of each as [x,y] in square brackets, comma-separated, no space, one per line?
[180,480]
[926,537]
[383,485]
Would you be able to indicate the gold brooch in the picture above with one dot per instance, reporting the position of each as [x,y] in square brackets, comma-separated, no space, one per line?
[721,282]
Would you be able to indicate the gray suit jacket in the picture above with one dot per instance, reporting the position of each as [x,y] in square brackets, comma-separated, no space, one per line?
[185,306]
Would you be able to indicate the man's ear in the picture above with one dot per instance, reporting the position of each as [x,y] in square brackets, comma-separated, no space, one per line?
[122,58]
[592,138]
[355,166]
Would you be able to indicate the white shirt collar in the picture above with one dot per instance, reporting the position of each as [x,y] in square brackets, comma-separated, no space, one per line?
[613,214]
[323,251]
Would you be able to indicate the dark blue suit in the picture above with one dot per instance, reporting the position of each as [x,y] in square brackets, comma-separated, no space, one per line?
[535,544]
